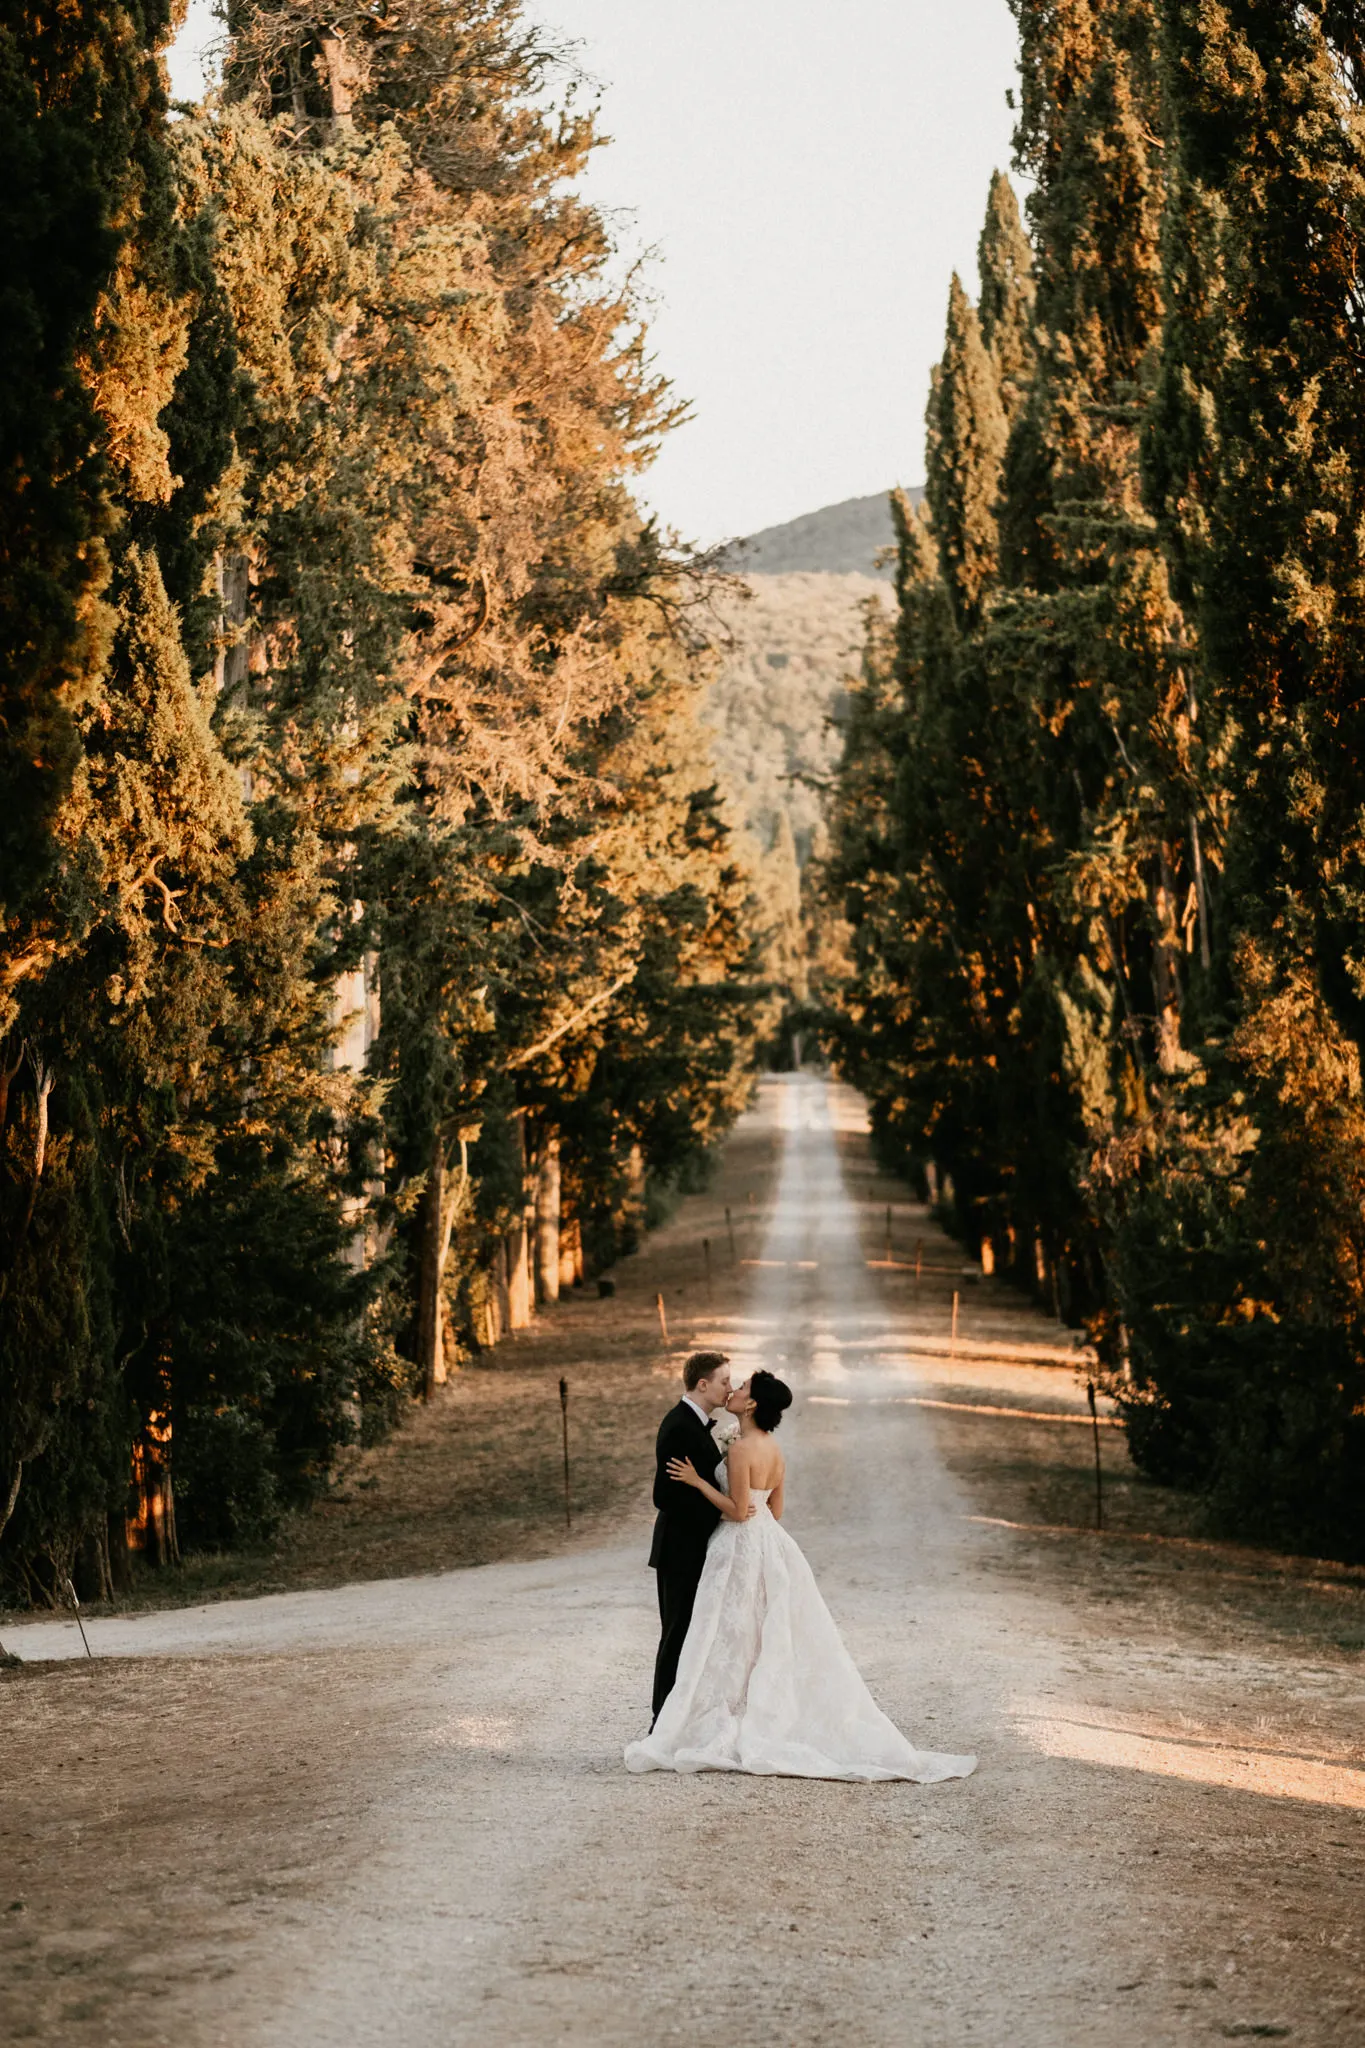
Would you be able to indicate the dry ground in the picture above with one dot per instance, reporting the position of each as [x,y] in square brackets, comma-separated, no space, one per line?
[394,1811]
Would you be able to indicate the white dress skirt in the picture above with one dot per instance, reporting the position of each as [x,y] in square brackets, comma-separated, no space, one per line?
[764,1682]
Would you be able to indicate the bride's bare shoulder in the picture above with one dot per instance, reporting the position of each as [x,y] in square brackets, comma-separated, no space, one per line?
[774,1464]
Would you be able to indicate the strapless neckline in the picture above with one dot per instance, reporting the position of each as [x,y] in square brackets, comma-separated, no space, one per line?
[762,1494]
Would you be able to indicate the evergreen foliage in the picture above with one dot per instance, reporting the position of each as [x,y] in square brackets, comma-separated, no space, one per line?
[962,458]
[1009,294]
[80,103]
[370,912]
[1097,829]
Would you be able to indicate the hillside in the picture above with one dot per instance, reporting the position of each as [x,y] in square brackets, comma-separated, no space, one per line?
[792,631]
[792,642]
[838,540]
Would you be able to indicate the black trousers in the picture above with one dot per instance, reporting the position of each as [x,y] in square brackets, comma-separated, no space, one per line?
[677,1592]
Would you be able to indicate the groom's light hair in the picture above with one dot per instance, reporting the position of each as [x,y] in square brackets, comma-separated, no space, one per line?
[701,1365]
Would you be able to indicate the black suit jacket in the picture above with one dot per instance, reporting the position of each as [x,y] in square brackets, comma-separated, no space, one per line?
[686,1518]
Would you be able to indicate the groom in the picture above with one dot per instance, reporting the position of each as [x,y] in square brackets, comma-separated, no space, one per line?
[686,1518]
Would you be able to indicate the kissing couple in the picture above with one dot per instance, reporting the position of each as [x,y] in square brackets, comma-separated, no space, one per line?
[752,1674]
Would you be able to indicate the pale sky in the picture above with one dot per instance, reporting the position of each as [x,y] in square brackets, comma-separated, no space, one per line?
[807,174]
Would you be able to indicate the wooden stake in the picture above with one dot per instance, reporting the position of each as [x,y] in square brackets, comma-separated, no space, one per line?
[1099,1469]
[729,1225]
[76,1610]
[952,1348]
[663,1319]
[564,1412]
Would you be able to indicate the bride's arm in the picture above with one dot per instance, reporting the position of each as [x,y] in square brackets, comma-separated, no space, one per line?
[734,1506]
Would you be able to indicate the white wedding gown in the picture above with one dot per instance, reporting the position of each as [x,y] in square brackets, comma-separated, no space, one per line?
[764,1682]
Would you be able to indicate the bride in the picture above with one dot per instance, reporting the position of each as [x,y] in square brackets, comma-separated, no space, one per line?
[764,1682]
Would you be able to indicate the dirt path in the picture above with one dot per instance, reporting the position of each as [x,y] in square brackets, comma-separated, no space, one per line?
[395,1812]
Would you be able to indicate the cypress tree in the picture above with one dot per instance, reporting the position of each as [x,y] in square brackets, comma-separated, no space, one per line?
[963,454]
[1044,823]
[1008,296]
[80,100]
[362,673]
[1138,1047]
[504,422]
[1254,459]
[86,189]
[188,965]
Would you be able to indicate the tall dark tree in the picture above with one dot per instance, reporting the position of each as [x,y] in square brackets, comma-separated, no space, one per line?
[81,104]
[370,894]
[1256,466]
[1009,296]
[963,455]
[87,187]
[1144,729]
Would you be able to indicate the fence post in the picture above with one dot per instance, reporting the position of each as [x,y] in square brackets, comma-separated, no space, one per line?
[564,1414]
[1099,1469]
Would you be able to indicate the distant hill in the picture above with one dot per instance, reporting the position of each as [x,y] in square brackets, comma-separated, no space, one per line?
[791,631]
[791,646]
[838,540]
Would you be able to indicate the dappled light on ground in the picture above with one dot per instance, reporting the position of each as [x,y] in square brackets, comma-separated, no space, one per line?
[1202,1760]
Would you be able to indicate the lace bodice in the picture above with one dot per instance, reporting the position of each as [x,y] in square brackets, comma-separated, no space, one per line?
[762,1494]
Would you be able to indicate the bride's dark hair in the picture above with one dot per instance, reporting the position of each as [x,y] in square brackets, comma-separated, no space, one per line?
[771,1398]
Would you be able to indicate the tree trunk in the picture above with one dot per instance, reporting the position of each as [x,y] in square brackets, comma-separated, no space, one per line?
[520,1284]
[152,1524]
[1166,971]
[340,74]
[230,669]
[8,1075]
[120,1562]
[633,1221]
[547,1222]
[11,1494]
[519,1304]
[1202,894]
[163,1520]
[570,1253]
[431,1362]
[499,1297]
[43,1080]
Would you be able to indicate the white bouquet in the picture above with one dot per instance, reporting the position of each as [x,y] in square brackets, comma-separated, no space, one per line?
[724,1430]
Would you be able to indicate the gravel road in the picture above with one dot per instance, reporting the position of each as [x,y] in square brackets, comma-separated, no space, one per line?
[399,1815]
